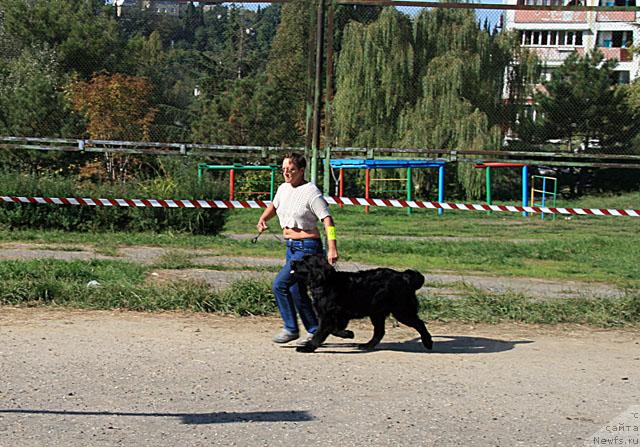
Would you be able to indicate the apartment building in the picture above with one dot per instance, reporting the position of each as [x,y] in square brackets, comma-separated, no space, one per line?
[553,35]
[175,8]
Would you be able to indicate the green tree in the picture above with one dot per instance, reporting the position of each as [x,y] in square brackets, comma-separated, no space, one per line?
[459,89]
[192,20]
[229,118]
[582,103]
[288,74]
[31,98]
[173,75]
[373,80]
[632,99]
[84,34]
[346,14]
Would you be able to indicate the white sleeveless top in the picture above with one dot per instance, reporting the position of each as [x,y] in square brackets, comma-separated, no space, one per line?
[300,207]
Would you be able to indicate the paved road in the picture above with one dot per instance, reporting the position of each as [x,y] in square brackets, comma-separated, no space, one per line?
[79,378]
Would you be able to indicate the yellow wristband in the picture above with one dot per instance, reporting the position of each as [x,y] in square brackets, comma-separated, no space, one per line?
[331,233]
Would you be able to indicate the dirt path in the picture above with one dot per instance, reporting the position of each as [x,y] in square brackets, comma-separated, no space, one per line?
[246,266]
[78,378]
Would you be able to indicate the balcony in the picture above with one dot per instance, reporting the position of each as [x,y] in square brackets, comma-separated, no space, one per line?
[616,16]
[621,54]
[552,16]
[555,55]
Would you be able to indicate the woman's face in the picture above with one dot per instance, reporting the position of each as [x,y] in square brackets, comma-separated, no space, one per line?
[292,174]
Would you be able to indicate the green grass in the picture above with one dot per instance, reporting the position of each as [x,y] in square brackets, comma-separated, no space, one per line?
[600,249]
[123,285]
[585,249]
[174,259]
[582,248]
[478,307]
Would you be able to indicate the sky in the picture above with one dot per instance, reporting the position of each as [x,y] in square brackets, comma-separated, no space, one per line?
[492,15]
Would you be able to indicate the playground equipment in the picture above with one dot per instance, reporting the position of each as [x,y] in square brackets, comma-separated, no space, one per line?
[368,165]
[525,178]
[202,167]
[543,191]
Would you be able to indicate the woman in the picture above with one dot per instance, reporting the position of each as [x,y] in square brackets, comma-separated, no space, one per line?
[299,205]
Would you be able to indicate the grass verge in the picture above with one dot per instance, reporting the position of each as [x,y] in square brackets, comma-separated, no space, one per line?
[101,284]
[121,285]
[481,307]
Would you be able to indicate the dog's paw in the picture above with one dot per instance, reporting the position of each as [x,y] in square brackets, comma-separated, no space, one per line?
[428,344]
[344,333]
[366,347]
[307,347]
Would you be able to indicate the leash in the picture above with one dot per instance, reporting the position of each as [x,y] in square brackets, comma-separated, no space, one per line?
[349,263]
[254,240]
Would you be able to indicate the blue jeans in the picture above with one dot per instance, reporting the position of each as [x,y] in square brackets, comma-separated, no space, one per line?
[289,296]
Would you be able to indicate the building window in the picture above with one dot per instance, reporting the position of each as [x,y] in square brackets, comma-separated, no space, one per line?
[615,39]
[617,2]
[550,38]
[624,77]
[546,2]
[547,74]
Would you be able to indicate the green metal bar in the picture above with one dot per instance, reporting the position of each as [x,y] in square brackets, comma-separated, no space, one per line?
[200,169]
[238,167]
[271,186]
[488,187]
[488,183]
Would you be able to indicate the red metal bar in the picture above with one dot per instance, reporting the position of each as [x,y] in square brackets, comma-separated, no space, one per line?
[232,180]
[497,164]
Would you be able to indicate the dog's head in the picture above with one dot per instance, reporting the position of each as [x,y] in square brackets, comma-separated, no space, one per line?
[312,269]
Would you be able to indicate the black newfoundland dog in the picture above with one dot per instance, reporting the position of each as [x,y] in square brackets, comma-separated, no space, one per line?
[341,296]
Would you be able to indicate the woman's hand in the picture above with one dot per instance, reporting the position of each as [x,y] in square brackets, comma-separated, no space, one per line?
[332,255]
[266,215]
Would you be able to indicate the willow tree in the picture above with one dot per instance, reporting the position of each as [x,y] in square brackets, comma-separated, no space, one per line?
[444,119]
[373,80]
[458,72]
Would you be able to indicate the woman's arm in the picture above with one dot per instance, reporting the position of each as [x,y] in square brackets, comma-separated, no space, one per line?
[266,215]
[332,246]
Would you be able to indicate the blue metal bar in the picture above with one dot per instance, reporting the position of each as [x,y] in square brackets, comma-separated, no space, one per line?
[358,163]
[440,188]
[525,186]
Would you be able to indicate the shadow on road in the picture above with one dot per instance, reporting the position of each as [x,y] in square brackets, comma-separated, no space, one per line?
[446,344]
[221,417]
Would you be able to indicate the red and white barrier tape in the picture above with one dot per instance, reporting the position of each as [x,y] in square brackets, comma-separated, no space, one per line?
[156,203]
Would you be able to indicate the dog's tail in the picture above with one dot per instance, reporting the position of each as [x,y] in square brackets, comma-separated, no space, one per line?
[414,278]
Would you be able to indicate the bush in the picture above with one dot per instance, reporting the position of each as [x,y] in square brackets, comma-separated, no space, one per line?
[180,182]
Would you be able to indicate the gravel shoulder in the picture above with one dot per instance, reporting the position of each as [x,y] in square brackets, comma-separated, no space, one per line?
[99,378]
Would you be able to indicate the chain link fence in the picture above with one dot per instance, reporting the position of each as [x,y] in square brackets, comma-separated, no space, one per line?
[442,78]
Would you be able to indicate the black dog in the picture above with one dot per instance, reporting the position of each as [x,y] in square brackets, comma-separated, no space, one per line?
[341,296]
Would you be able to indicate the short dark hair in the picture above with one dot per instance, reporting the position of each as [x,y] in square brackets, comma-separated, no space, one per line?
[297,159]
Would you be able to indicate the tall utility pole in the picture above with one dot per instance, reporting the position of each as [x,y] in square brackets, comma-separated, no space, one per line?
[328,138]
[317,92]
